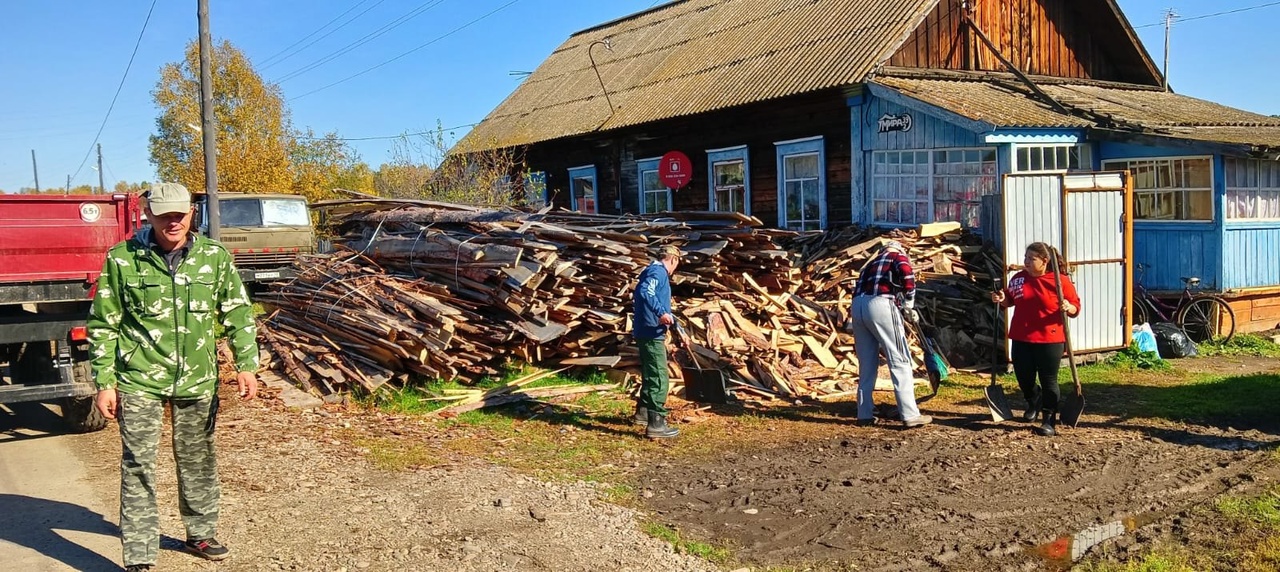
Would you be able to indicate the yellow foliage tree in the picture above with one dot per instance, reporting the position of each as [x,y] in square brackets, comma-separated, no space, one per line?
[253,124]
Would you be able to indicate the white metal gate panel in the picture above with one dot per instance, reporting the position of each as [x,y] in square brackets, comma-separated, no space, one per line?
[1086,213]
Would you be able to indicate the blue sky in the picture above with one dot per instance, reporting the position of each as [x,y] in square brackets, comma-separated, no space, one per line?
[63,59]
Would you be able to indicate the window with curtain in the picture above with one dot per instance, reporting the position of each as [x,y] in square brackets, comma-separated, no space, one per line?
[582,189]
[1253,189]
[801,184]
[729,180]
[922,186]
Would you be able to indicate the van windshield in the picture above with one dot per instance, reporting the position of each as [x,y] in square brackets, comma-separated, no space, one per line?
[263,212]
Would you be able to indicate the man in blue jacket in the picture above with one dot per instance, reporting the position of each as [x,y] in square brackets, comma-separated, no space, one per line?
[653,317]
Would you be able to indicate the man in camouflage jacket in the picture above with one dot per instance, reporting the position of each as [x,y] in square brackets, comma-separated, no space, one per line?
[152,330]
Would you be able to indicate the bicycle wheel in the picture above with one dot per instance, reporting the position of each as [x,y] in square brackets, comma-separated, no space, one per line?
[1207,318]
[1138,310]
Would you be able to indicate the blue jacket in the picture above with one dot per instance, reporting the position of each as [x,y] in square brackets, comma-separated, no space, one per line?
[652,299]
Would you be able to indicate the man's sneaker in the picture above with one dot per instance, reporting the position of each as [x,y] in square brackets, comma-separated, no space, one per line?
[137,568]
[920,421]
[868,422]
[208,548]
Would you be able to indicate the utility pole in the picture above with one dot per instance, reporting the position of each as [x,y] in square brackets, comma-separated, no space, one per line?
[1169,17]
[102,188]
[208,128]
[34,171]
[67,190]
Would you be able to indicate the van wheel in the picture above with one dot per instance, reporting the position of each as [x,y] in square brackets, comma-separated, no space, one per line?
[81,413]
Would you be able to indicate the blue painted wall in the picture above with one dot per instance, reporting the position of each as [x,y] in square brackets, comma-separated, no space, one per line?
[1251,255]
[1173,250]
[927,132]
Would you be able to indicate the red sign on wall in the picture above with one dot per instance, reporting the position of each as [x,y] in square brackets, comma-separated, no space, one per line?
[675,170]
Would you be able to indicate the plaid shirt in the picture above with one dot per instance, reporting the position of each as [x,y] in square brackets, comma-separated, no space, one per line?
[888,273]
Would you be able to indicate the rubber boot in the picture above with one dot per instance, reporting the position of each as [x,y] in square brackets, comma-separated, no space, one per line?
[658,428]
[642,415]
[1032,412]
[1049,427]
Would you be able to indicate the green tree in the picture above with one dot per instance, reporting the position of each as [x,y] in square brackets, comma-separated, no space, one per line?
[76,190]
[132,188]
[321,164]
[253,124]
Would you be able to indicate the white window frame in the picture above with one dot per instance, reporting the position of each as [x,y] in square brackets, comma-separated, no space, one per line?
[799,148]
[1086,157]
[1253,184]
[931,174]
[725,156]
[650,165]
[1139,195]
[584,172]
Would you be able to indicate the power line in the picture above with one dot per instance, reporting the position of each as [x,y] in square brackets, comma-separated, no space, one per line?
[437,39]
[427,132]
[118,88]
[1213,15]
[313,42]
[362,41]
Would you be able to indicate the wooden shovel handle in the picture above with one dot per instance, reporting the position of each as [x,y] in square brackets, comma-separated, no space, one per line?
[1066,320]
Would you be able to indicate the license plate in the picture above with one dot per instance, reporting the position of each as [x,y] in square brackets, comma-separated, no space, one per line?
[265,275]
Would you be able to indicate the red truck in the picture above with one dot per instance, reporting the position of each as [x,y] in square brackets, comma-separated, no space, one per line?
[51,251]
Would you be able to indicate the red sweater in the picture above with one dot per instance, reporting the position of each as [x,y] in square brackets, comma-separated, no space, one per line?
[1036,315]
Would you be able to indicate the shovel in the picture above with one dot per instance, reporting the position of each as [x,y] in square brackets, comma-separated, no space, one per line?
[702,385]
[997,402]
[1073,404]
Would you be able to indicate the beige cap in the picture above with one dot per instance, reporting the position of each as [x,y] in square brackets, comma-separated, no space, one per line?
[166,198]
[669,251]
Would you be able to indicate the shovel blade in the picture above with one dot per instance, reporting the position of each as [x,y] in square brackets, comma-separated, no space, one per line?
[998,404]
[1072,408]
[704,385]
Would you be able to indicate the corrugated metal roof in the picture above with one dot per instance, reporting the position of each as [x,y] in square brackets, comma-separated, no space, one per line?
[697,56]
[1005,103]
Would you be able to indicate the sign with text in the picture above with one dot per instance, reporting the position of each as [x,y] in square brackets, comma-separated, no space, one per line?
[889,123]
[675,170]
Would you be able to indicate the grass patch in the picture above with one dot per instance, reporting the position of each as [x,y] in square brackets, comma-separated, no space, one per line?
[1148,563]
[398,455]
[1242,345]
[714,554]
[1261,510]
[1134,358]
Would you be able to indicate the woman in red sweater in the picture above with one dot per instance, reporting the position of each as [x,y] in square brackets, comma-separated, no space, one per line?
[1037,330]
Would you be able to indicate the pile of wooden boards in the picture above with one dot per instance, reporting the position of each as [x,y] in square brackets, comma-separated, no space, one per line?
[439,291]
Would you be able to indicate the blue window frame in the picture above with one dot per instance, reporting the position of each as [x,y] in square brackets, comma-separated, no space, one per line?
[802,184]
[654,196]
[729,180]
[582,189]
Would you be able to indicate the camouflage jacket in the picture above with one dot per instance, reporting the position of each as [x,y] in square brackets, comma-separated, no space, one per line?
[152,331]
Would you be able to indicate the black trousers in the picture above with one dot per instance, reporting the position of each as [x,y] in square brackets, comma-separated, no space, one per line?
[1032,359]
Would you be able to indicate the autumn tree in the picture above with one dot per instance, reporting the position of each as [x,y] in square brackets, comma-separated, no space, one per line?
[254,138]
[132,188]
[423,167]
[321,164]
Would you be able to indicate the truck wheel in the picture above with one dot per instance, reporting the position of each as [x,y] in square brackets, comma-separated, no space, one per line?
[81,413]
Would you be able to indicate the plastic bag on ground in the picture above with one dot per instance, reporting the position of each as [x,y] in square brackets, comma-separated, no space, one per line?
[1145,338]
[1172,342]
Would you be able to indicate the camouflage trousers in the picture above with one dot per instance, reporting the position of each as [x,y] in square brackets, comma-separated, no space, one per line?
[140,420]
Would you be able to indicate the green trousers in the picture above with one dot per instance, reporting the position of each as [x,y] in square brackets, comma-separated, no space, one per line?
[654,382]
[140,421]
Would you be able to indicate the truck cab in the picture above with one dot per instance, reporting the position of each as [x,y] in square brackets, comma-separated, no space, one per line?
[264,232]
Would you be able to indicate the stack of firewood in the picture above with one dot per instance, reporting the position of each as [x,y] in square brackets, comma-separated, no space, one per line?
[431,290]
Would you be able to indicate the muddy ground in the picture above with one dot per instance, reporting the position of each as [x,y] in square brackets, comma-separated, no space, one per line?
[793,487]
[967,494]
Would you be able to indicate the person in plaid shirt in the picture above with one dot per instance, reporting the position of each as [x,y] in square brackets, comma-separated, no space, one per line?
[876,324]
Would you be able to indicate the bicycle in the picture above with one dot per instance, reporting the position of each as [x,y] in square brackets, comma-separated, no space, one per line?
[1203,317]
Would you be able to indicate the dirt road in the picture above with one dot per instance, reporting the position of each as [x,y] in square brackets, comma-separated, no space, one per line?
[55,515]
[296,497]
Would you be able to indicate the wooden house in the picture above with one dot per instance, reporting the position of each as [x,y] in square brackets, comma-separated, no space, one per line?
[809,114]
